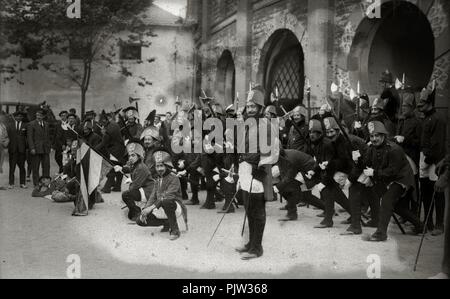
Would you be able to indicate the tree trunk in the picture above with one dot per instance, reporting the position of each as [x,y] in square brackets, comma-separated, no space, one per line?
[83,102]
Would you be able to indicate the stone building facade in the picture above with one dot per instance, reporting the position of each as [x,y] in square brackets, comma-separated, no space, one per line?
[285,43]
[170,73]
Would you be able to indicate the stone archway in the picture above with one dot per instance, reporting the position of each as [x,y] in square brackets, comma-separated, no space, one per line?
[226,79]
[282,65]
[401,41]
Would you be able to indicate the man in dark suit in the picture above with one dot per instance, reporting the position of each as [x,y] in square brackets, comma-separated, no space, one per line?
[17,148]
[39,143]
[112,146]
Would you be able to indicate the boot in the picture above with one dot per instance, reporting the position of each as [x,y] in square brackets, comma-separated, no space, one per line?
[209,203]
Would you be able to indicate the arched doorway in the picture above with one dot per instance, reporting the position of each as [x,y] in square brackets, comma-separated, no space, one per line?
[401,41]
[226,79]
[282,66]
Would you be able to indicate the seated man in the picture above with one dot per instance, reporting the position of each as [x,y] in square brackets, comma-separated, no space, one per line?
[44,188]
[165,195]
[141,180]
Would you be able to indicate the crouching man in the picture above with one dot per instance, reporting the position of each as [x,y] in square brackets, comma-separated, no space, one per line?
[165,200]
[141,180]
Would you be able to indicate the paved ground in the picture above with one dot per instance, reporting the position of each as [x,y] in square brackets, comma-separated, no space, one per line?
[37,236]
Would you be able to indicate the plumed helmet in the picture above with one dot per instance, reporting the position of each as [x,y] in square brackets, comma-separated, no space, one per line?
[377,127]
[163,157]
[300,109]
[378,104]
[151,131]
[386,77]
[271,109]
[256,96]
[409,99]
[217,108]
[135,148]
[330,123]
[315,125]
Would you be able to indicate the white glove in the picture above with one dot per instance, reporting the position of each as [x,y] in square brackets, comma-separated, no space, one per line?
[200,170]
[323,165]
[275,189]
[117,168]
[229,179]
[275,171]
[181,173]
[209,148]
[320,187]
[128,181]
[216,178]
[400,139]
[181,164]
[229,145]
[358,125]
[126,142]
[369,172]
[64,176]
[310,174]
[356,155]
[299,178]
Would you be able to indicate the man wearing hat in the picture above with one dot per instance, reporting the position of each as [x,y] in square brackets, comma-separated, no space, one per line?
[339,167]
[17,148]
[165,195]
[90,117]
[433,150]
[91,138]
[132,129]
[377,113]
[255,174]
[297,140]
[38,137]
[141,179]
[359,125]
[390,174]
[111,145]
[59,141]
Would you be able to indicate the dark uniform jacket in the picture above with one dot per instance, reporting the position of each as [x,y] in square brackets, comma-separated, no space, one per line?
[390,165]
[167,188]
[112,142]
[297,141]
[292,162]
[434,134]
[38,137]
[93,139]
[140,177]
[17,139]
[322,151]
[411,129]
[342,160]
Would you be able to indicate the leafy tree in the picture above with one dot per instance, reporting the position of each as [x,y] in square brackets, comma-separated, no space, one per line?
[35,29]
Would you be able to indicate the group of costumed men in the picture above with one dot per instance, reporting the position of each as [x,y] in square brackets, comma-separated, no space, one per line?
[378,160]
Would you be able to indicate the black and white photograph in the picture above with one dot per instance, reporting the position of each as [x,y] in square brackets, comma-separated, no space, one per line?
[223,144]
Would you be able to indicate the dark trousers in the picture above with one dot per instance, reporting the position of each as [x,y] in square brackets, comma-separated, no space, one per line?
[228,190]
[310,199]
[194,181]
[393,200]
[427,191]
[114,180]
[446,260]
[42,160]
[59,159]
[184,184]
[255,208]
[169,207]
[130,198]
[331,194]
[17,159]
[357,193]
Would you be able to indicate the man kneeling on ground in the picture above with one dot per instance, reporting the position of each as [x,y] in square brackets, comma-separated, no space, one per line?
[166,196]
